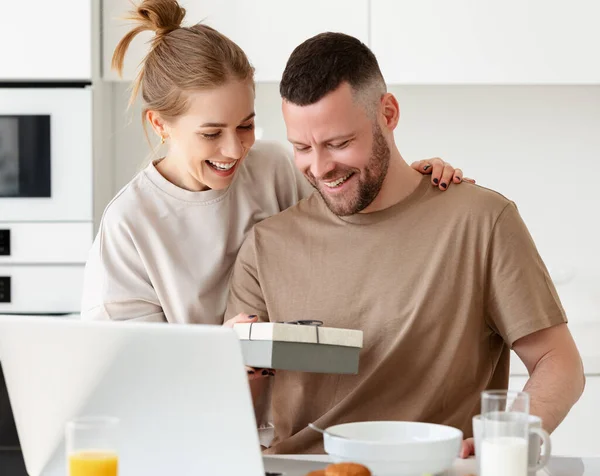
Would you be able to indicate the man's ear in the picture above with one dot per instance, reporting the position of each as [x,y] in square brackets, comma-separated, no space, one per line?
[390,111]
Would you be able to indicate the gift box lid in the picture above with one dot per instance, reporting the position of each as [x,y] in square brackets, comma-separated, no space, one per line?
[300,331]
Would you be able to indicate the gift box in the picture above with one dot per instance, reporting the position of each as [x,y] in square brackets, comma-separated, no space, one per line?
[304,346]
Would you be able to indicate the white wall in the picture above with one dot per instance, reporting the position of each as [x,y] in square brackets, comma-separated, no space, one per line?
[539,146]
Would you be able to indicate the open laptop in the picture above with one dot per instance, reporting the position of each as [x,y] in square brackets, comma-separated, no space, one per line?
[180,392]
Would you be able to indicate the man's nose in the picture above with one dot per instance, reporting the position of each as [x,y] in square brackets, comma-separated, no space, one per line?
[321,165]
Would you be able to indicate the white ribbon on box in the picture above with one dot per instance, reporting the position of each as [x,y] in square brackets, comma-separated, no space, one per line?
[316,325]
[279,331]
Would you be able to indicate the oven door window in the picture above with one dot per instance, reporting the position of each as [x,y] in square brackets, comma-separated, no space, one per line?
[25,156]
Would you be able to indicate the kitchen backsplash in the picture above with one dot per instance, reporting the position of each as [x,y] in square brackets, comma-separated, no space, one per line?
[537,145]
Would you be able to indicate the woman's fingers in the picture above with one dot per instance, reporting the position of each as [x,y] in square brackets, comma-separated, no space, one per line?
[458,176]
[240,318]
[255,374]
[446,178]
[422,166]
[437,169]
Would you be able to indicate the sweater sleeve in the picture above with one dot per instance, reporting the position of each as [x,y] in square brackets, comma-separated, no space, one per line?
[291,184]
[116,283]
[245,293]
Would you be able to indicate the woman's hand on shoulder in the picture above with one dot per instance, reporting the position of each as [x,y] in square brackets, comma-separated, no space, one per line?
[442,173]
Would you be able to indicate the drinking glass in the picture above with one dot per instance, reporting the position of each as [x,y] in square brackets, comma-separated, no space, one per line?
[92,448]
[506,432]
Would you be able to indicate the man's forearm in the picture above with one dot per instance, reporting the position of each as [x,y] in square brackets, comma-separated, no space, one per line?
[555,385]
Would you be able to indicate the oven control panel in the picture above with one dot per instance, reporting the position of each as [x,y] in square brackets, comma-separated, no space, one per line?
[4,288]
[4,242]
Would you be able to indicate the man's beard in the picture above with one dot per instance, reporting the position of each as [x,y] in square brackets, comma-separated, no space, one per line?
[369,181]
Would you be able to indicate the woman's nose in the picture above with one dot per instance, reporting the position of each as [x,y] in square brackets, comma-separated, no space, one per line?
[233,149]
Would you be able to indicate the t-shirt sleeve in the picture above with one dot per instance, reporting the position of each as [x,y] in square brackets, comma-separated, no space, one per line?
[245,292]
[520,296]
[116,283]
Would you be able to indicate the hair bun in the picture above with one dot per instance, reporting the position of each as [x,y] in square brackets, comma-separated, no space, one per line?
[161,16]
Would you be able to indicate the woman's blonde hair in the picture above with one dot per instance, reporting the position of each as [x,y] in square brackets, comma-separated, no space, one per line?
[180,59]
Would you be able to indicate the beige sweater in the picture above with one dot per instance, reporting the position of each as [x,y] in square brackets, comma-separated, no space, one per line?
[165,254]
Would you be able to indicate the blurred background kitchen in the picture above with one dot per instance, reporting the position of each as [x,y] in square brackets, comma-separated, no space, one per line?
[508,91]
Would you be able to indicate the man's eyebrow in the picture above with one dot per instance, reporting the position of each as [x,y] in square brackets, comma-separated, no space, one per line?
[340,137]
[331,139]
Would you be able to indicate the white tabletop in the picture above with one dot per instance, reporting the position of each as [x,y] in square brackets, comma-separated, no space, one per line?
[299,465]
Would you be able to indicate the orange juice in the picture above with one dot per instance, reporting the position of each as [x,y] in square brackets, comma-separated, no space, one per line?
[93,463]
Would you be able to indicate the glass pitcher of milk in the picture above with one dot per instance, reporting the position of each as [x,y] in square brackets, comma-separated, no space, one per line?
[505,435]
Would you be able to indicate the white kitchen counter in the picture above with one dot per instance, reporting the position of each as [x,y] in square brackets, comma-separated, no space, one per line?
[300,465]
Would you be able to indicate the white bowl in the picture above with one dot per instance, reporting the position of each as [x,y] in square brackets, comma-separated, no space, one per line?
[395,447]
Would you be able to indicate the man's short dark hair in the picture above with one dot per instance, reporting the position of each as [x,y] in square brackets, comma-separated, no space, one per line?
[322,63]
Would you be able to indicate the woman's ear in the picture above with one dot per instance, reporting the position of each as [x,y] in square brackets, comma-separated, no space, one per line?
[390,111]
[157,123]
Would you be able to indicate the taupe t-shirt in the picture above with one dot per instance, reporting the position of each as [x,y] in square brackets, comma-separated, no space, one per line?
[442,284]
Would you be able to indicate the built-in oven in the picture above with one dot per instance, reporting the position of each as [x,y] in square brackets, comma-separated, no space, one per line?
[46,195]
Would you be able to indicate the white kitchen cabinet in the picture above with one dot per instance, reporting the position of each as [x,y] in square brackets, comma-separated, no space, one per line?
[578,433]
[41,289]
[46,40]
[46,242]
[474,42]
[267,30]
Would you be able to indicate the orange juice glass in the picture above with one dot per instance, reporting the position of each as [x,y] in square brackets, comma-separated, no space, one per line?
[92,448]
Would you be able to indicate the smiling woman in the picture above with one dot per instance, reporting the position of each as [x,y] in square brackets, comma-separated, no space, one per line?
[168,240]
